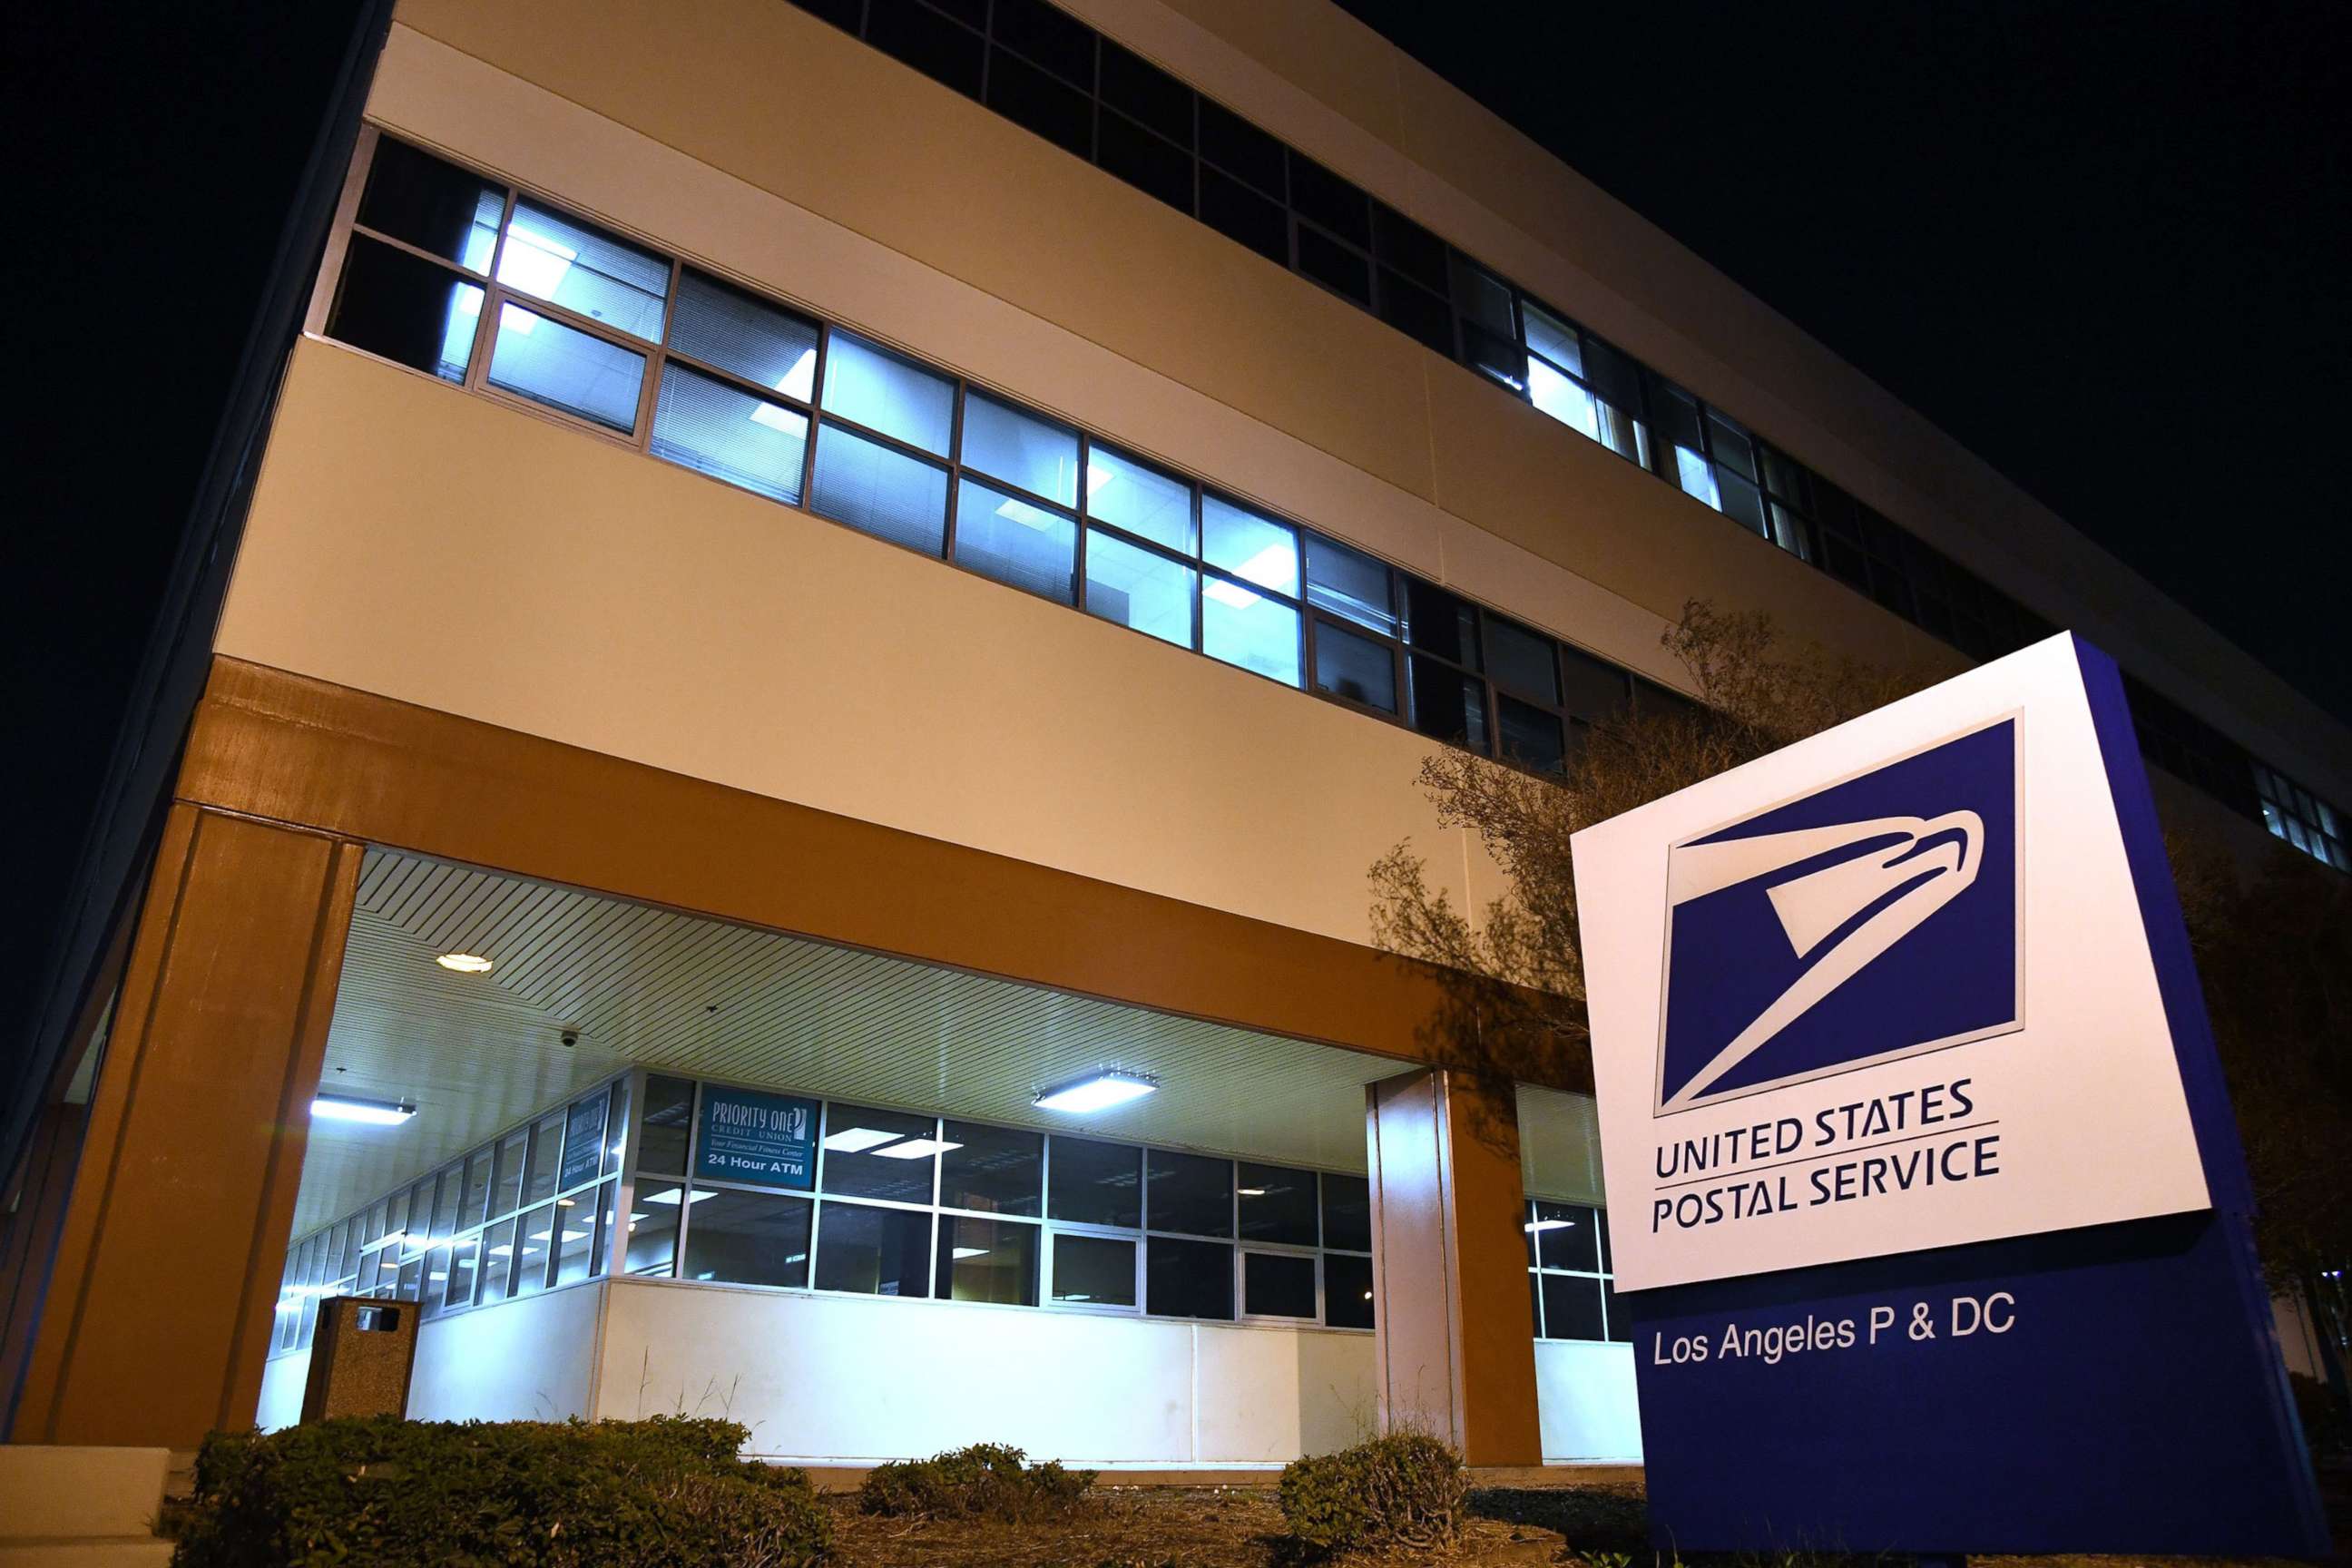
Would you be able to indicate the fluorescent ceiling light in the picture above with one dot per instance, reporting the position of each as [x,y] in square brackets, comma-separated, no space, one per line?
[1096,1091]
[1226,593]
[464,963]
[1252,1192]
[372,1112]
[1549,1225]
[534,263]
[780,419]
[916,1149]
[858,1140]
[670,1197]
[962,1252]
[1028,516]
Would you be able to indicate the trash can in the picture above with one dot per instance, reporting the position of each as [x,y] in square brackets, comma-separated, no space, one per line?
[361,1357]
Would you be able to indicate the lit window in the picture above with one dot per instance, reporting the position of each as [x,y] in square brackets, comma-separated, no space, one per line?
[1015,540]
[540,358]
[1139,588]
[884,391]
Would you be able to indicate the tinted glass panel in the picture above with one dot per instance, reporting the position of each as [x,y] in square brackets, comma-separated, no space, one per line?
[1250,630]
[1277,1203]
[1143,501]
[1017,447]
[879,390]
[1191,1192]
[541,358]
[1319,194]
[445,1210]
[939,49]
[1188,1279]
[1355,667]
[1235,211]
[653,1230]
[534,1245]
[1412,249]
[1532,737]
[1049,35]
[435,206]
[505,1183]
[1335,265]
[1240,149]
[1571,1306]
[1096,1184]
[1015,540]
[1595,690]
[704,424]
[1347,1212]
[1437,621]
[1041,102]
[873,1252]
[1416,312]
[435,1286]
[1483,298]
[880,492]
[498,1260]
[1521,660]
[1347,1292]
[575,1237]
[1448,705]
[669,1106]
[745,337]
[1138,589]
[1621,1321]
[987,1260]
[1143,92]
[470,1208]
[406,308]
[1094,1268]
[1351,583]
[1566,1237]
[1274,1285]
[587,271]
[997,1170]
[1554,339]
[1156,167]
[748,1238]
[859,1160]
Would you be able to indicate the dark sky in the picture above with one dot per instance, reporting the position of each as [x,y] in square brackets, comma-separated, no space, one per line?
[2106,246]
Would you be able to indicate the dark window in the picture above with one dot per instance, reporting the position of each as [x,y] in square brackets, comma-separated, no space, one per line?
[1188,1192]
[1412,249]
[1620,1322]
[873,1251]
[1188,1279]
[1356,667]
[1096,1184]
[1275,1285]
[1566,1237]
[1239,213]
[987,1260]
[1347,1292]
[1596,689]
[1336,203]
[939,49]
[669,1107]
[1036,101]
[1351,583]
[1048,36]
[1416,312]
[1483,300]
[1497,356]
[1278,1205]
[878,1154]
[1240,149]
[1571,1306]
[1601,1229]
[406,308]
[1347,1212]
[1155,167]
[1334,265]
[1440,623]
[1097,1269]
[471,1209]
[1146,94]
[973,12]
[417,197]
[1448,705]
[843,14]
[1532,737]
[1521,661]
[994,1169]
[746,1238]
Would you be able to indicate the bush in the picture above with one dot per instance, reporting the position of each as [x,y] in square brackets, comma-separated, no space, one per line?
[2325,1429]
[1404,1489]
[381,1490]
[986,1481]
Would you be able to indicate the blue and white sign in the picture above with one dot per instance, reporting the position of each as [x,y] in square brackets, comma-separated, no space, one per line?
[1928,1206]
[746,1135]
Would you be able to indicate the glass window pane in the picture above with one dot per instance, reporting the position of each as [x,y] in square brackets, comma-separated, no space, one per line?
[585,270]
[1278,1205]
[406,308]
[1553,338]
[1696,476]
[751,338]
[1275,1285]
[1482,297]
[471,1209]
[1188,1279]
[1145,503]
[878,1154]
[653,1230]
[748,1238]
[1017,447]
[1188,1192]
[498,1260]
[1350,584]
[546,1150]
[995,1169]
[562,367]
[706,424]
[1355,667]
[1596,689]
[535,1238]
[1565,1235]
[1097,1269]
[433,206]
[669,1108]
[1251,547]
[1247,629]
[1532,737]
[880,492]
[1572,1305]
[882,392]
[1347,1292]
[1448,705]
[1741,500]
[1621,1321]
[1562,399]
[435,1286]
[1520,660]
[602,1253]
[1730,445]
[463,1258]
[1347,1212]
[873,1252]
[1016,541]
[1441,623]
[1601,1229]
[412,1276]
[1138,589]
[988,1260]
[506,1182]
[444,1208]
[1092,1182]
[575,1237]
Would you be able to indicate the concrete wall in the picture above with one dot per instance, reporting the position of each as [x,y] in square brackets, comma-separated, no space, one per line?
[533,1360]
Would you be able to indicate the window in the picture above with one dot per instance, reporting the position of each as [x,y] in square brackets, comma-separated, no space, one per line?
[651,1249]
[1096,1184]
[703,423]
[438,208]
[540,358]
[1140,501]
[547,256]
[880,490]
[995,1169]
[1347,1292]
[873,1251]
[987,1260]
[546,1150]
[1191,1193]
[746,1238]
[1568,1272]
[1094,1270]
[669,1112]
[406,308]
[878,1154]
[1021,450]
[1188,1279]
[1139,589]
[2303,819]
[1016,542]
[1276,1204]
[888,395]
[1279,1285]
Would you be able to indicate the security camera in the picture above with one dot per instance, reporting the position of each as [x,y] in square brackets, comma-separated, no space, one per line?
[570,1036]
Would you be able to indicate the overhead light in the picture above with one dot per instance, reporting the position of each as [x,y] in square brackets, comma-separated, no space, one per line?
[916,1149]
[1549,1225]
[670,1195]
[963,1252]
[858,1140]
[373,1112]
[1251,1192]
[464,963]
[534,263]
[1096,1091]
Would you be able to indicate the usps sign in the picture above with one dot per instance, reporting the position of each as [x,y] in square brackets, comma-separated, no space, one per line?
[1926,1199]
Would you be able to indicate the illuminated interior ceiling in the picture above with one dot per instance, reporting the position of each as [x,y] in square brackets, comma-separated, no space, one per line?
[645,986]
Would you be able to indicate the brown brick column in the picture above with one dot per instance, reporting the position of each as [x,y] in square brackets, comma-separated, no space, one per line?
[158,1314]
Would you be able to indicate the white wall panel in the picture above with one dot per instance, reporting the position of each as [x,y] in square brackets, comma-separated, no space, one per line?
[530,1360]
[282,1382]
[1585,1403]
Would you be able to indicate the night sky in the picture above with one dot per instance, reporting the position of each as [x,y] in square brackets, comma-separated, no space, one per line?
[2103,245]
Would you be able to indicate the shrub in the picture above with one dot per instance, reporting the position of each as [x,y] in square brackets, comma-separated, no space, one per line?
[1404,1489]
[986,1481]
[381,1490]
[2325,1429]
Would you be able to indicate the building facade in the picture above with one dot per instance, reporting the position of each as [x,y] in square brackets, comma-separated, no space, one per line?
[830,586]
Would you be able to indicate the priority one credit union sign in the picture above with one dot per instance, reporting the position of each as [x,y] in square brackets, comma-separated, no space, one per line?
[1924,1196]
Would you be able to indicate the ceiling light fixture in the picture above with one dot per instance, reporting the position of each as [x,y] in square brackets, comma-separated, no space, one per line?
[464,963]
[916,1149]
[372,1112]
[670,1195]
[1534,1225]
[858,1140]
[1096,1091]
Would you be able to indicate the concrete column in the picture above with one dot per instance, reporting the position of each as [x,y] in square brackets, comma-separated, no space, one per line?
[158,1314]
[1455,1334]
